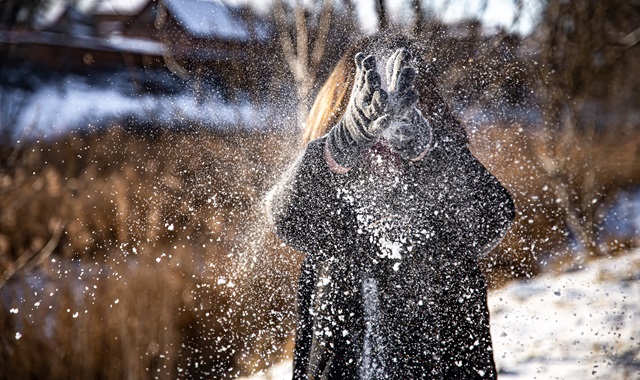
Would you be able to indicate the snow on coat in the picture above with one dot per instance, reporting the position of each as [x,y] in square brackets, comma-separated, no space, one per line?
[390,287]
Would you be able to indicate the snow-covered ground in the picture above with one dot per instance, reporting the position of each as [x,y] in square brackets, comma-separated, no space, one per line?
[578,325]
[53,106]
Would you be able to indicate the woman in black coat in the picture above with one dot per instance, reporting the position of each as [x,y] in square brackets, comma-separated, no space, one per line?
[393,213]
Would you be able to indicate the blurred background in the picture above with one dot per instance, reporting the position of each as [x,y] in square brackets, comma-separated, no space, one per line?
[137,139]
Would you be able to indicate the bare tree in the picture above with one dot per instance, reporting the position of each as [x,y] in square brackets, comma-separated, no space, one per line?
[169,59]
[585,87]
[350,6]
[16,12]
[383,15]
[302,52]
[418,23]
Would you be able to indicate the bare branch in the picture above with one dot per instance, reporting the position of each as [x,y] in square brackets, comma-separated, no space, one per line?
[351,8]
[383,19]
[419,21]
[302,39]
[167,55]
[304,62]
[518,13]
[631,39]
[29,259]
[286,40]
[483,7]
[321,35]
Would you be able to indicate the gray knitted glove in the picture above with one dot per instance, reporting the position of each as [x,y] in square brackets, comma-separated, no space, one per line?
[365,117]
[409,133]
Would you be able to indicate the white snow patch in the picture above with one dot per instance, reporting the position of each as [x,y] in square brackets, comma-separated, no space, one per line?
[196,17]
[389,249]
[74,101]
[578,325]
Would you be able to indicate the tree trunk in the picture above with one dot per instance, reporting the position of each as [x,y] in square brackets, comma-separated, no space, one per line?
[383,19]
[303,60]
[418,24]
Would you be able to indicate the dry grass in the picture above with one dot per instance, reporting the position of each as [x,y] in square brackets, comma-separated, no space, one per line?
[145,255]
[611,161]
[131,255]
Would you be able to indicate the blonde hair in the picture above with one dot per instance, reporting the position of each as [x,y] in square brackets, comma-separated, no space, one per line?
[331,101]
[333,97]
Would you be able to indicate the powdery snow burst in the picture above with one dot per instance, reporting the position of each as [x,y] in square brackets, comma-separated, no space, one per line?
[577,325]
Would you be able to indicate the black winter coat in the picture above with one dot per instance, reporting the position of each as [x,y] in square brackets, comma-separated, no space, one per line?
[390,287]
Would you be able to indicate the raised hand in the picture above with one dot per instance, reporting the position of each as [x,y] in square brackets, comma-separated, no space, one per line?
[409,132]
[367,98]
[365,117]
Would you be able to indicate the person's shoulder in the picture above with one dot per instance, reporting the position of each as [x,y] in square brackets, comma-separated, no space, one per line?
[317,144]
[311,159]
[314,150]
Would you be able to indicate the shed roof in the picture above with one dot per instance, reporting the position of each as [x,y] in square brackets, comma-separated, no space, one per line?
[120,7]
[208,19]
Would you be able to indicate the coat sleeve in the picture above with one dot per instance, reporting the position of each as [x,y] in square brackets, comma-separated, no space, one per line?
[474,211]
[493,207]
[303,207]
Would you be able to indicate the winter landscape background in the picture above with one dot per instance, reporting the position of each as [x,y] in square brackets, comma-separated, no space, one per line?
[137,139]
